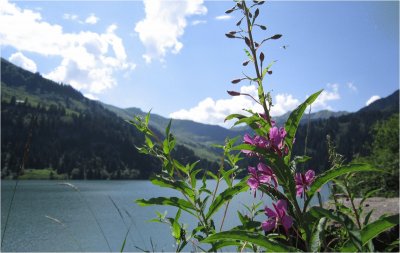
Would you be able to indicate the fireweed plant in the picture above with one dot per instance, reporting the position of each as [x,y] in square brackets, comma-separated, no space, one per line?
[289,223]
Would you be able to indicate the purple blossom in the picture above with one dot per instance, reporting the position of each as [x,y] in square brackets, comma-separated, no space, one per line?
[277,216]
[262,175]
[257,141]
[303,181]
[277,136]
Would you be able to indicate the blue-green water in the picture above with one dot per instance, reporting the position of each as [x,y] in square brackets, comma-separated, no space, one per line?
[29,229]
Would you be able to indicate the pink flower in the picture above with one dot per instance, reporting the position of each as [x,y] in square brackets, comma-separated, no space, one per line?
[262,175]
[303,181]
[277,216]
[277,136]
[257,141]
[267,174]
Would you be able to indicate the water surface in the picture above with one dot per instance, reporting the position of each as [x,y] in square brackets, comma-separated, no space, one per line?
[90,220]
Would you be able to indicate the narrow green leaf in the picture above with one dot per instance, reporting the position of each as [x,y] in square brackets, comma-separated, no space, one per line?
[168,128]
[248,54]
[169,183]
[149,143]
[176,228]
[318,236]
[225,196]
[294,119]
[172,201]
[345,220]
[325,177]
[372,230]
[245,236]
[147,119]
[366,219]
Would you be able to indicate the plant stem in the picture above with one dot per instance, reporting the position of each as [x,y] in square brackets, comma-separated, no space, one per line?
[254,54]
[357,216]
[223,218]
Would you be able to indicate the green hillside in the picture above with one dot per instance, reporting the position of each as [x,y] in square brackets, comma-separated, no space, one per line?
[55,127]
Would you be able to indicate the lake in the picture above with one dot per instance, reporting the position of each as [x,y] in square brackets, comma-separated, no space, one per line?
[102,209]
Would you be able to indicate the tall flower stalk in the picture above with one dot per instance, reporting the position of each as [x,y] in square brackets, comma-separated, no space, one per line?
[275,173]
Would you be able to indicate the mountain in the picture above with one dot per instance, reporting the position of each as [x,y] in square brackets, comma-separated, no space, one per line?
[352,133]
[82,138]
[196,136]
[49,125]
[386,105]
[201,137]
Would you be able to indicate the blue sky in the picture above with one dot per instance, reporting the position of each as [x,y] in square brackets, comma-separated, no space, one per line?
[173,57]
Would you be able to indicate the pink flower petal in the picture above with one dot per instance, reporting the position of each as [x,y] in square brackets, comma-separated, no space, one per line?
[268,225]
[270,213]
[287,222]
[253,183]
[310,176]
[281,205]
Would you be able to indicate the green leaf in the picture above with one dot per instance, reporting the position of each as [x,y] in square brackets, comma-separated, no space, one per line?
[325,177]
[169,183]
[163,201]
[147,119]
[248,54]
[345,220]
[294,119]
[245,236]
[235,116]
[318,236]
[366,219]
[167,130]
[225,196]
[176,228]
[372,230]
[266,69]
[149,143]
[126,236]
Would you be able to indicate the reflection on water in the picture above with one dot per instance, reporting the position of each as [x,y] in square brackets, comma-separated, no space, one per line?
[49,216]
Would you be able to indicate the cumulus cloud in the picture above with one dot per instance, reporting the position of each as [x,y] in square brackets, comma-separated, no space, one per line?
[372,99]
[212,111]
[88,60]
[329,94]
[92,19]
[164,24]
[223,17]
[352,87]
[24,62]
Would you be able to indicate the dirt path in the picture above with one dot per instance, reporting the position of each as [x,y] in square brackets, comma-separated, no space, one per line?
[379,205]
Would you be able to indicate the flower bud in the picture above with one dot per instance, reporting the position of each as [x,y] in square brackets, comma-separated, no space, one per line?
[236,81]
[233,93]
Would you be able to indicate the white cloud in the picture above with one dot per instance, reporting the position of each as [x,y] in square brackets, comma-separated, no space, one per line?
[198,22]
[325,96]
[91,96]
[352,87]
[92,19]
[372,99]
[69,16]
[88,60]
[24,62]
[223,17]
[212,111]
[164,24]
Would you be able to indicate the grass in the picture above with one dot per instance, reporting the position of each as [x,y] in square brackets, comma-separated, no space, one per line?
[42,174]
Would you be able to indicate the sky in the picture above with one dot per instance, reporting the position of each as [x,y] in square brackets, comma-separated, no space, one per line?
[173,57]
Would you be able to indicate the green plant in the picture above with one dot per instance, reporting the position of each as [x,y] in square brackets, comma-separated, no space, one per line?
[292,224]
